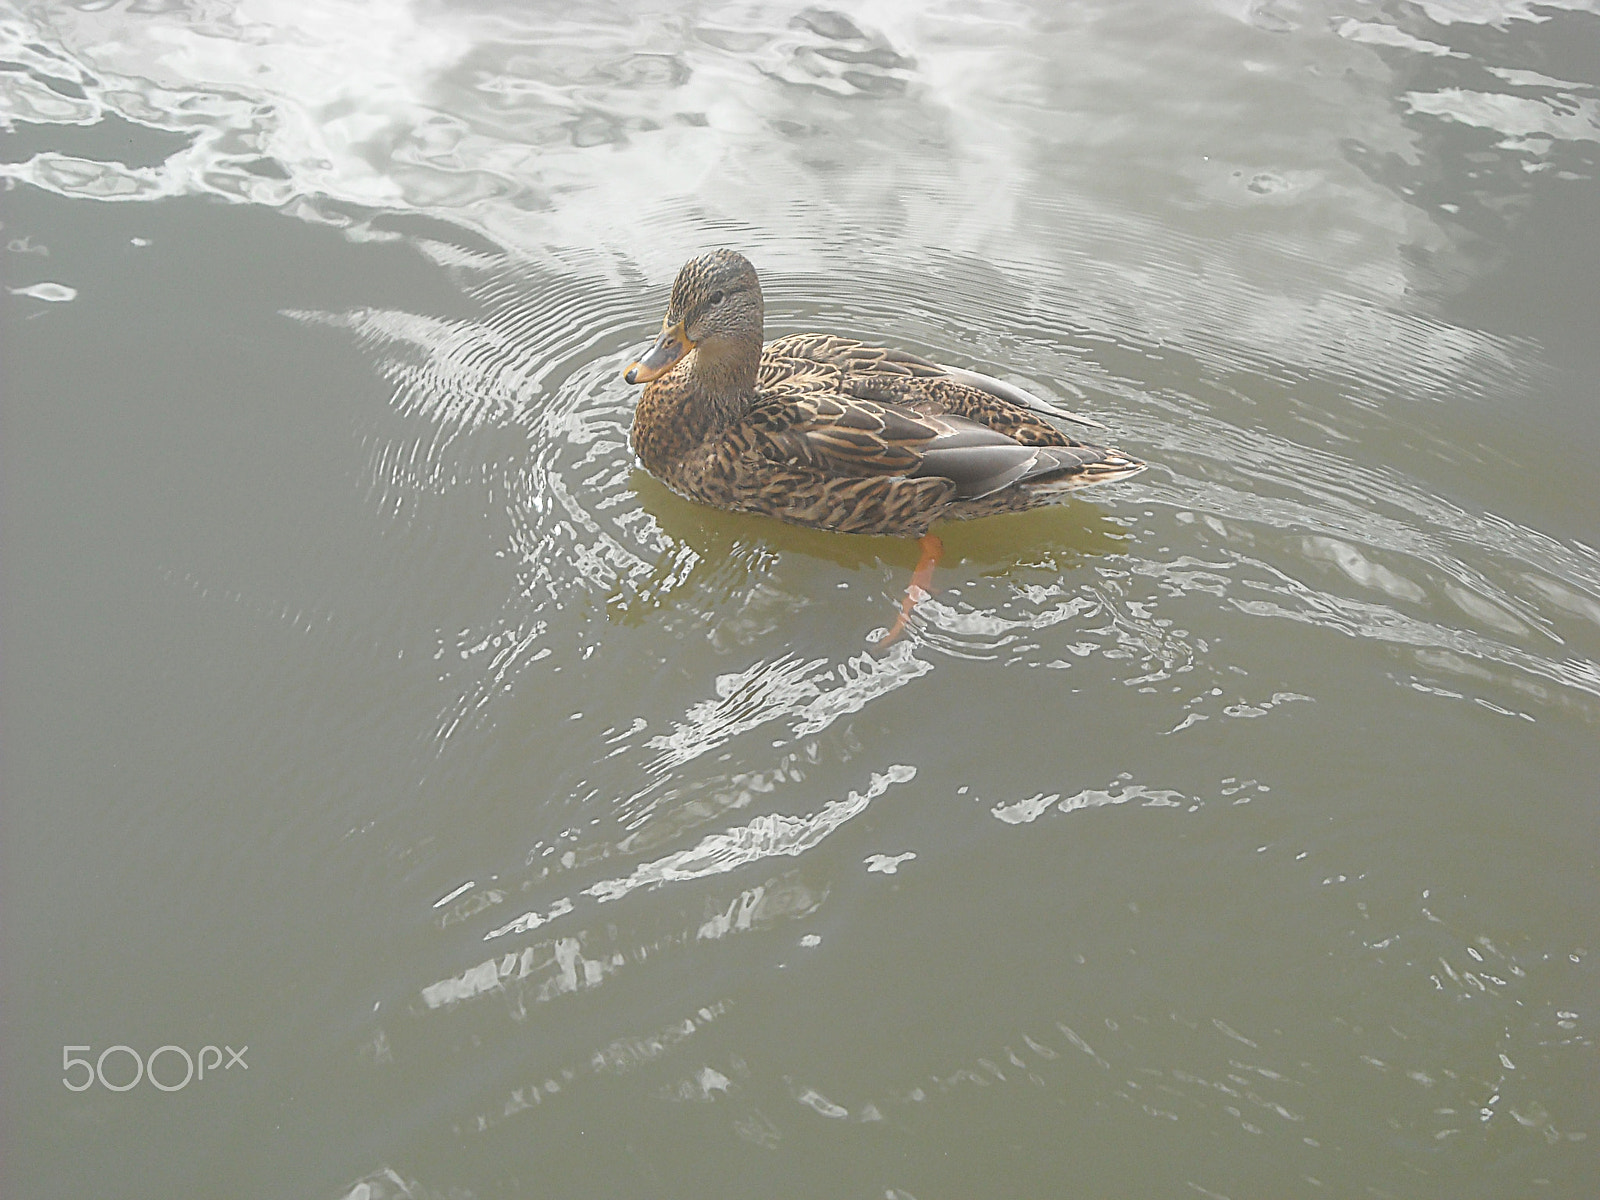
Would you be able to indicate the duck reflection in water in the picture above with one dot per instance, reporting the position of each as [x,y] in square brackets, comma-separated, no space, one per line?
[832,434]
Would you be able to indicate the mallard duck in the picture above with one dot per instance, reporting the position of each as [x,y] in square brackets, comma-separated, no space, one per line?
[829,432]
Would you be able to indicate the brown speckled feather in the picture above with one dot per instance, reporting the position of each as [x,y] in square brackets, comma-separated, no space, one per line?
[828,432]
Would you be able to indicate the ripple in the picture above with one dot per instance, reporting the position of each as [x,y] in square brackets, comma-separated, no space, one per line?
[50,293]
[789,688]
[1564,117]
[766,836]
[523,400]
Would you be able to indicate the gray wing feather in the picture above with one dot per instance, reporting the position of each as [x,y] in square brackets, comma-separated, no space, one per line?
[981,461]
[978,471]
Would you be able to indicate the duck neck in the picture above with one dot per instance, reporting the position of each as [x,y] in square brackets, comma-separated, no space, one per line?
[726,378]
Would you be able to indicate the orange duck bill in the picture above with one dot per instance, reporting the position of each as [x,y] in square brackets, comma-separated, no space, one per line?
[671,346]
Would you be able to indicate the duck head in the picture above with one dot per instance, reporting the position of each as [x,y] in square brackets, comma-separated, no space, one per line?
[715,316]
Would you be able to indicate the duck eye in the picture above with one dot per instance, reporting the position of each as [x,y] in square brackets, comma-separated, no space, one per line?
[716,298]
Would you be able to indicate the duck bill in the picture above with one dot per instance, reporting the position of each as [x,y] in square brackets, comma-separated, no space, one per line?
[671,346]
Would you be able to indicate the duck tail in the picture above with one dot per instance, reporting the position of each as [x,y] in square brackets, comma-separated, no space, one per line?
[1076,473]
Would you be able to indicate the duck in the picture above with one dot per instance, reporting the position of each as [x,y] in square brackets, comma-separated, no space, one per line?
[834,433]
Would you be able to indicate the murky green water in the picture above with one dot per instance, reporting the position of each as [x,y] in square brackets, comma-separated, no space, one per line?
[528,831]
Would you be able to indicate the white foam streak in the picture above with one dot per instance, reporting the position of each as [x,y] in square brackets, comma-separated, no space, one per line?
[767,836]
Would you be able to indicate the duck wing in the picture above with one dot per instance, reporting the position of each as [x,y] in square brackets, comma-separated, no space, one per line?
[805,421]
[863,365]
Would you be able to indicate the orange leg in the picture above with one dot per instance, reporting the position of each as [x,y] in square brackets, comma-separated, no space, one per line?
[921,579]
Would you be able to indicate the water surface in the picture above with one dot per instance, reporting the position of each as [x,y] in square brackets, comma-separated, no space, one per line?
[1225,832]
